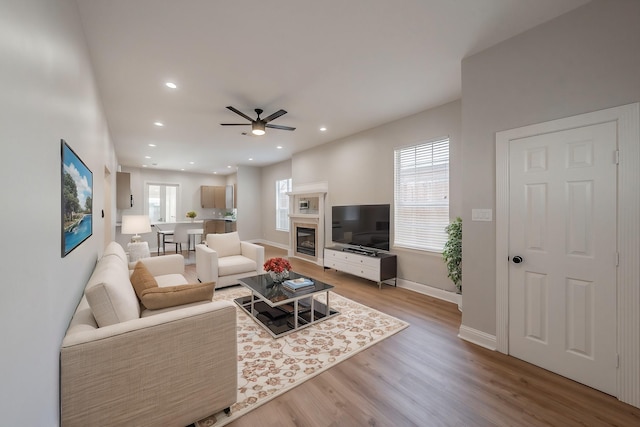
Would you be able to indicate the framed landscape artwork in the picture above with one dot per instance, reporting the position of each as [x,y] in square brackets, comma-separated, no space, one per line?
[77,200]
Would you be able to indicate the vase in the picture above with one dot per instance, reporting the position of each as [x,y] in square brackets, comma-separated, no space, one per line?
[279,277]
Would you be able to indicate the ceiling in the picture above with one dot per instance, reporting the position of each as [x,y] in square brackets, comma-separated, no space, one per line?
[347,65]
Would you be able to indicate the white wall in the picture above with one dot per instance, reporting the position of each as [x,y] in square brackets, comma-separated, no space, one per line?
[359,170]
[48,94]
[585,60]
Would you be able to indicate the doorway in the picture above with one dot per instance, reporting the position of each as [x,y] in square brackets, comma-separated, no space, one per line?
[529,292]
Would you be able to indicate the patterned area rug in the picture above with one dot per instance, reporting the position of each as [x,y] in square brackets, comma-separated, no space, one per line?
[268,367]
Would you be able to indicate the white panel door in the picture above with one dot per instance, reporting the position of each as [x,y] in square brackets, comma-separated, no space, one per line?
[562,245]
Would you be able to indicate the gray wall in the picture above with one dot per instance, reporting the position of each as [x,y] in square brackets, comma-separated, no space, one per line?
[250,208]
[359,170]
[586,60]
[48,93]
[269,176]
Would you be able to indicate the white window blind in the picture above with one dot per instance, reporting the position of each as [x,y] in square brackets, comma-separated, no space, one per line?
[282,204]
[421,210]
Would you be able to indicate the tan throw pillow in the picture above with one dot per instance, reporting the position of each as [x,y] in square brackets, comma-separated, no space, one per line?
[142,279]
[170,296]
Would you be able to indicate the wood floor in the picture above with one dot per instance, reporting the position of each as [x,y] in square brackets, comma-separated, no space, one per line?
[426,376]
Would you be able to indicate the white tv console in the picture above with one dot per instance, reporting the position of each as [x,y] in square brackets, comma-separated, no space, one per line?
[373,266]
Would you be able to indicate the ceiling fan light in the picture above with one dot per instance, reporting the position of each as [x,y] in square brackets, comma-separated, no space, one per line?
[257,128]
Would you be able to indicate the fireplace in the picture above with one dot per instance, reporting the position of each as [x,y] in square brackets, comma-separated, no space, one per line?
[306,240]
[306,222]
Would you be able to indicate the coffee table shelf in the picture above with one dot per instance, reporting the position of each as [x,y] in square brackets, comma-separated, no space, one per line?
[281,311]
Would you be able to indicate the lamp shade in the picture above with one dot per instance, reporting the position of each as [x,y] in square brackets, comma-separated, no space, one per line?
[135,224]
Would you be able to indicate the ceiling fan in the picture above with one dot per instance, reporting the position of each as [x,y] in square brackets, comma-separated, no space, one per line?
[258,125]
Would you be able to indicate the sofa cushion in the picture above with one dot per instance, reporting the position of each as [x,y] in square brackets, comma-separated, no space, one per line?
[234,265]
[114,249]
[156,298]
[110,294]
[167,280]
[142,279]
[226,244]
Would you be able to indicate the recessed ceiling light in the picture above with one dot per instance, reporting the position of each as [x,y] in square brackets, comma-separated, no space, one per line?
[158,123]
[192,163]
[250,158]
[229,167]
[170,85]
[147,157]
[182,169]
[152,145]
[215,173]
[279,147]
[322,129]
[144,166]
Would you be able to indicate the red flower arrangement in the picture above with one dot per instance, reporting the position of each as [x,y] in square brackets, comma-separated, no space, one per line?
[277,265]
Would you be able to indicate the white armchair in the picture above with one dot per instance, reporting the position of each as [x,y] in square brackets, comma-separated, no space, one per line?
[224,259]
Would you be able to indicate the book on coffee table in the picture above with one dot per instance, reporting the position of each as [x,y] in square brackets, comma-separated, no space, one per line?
[298,284]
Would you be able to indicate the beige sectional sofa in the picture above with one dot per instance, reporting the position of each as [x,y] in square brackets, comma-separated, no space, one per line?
[121,364]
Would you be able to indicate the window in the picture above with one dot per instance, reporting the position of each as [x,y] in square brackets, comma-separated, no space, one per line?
[162,202]
[421,210]
[283,186]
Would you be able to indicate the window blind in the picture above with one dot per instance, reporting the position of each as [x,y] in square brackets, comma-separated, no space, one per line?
[421,208]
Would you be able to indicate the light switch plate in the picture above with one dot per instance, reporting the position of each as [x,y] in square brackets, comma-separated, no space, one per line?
[481,215]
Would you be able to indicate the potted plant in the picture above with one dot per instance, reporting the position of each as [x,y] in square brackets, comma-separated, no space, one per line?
[192,215]
[452,253]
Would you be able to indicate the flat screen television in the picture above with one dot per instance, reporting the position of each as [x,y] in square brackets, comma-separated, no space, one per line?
[361,225]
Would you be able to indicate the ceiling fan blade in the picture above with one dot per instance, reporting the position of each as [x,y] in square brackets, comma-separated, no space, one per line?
[279,127]
[274,116]
[235,124]
[240,113]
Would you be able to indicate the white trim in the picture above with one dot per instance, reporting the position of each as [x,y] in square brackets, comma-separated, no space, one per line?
[270,243]
[477,337]
[627,118]
[438,293]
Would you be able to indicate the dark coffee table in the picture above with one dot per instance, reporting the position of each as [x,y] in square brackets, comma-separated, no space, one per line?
[281,311]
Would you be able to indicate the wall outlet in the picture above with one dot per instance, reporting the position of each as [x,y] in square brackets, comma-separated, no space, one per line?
[481,215]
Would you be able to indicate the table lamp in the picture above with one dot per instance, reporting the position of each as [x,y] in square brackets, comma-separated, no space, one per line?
[135,224]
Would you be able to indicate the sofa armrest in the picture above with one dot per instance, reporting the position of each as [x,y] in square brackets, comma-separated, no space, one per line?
[206,264]
[166,264]
[255,252]
[169,369]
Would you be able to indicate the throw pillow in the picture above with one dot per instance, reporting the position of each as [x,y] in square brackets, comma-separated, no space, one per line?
[170,296]
[142,279]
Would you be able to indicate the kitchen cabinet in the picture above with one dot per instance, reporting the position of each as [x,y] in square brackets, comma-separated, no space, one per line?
[124,199]
[218,226]
[217,196]
[213,196]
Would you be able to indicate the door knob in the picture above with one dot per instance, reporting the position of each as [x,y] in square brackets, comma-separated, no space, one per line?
[517,259]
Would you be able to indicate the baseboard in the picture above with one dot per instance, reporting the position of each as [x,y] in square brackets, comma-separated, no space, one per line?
[268,243]
[477,337]
[431,291]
